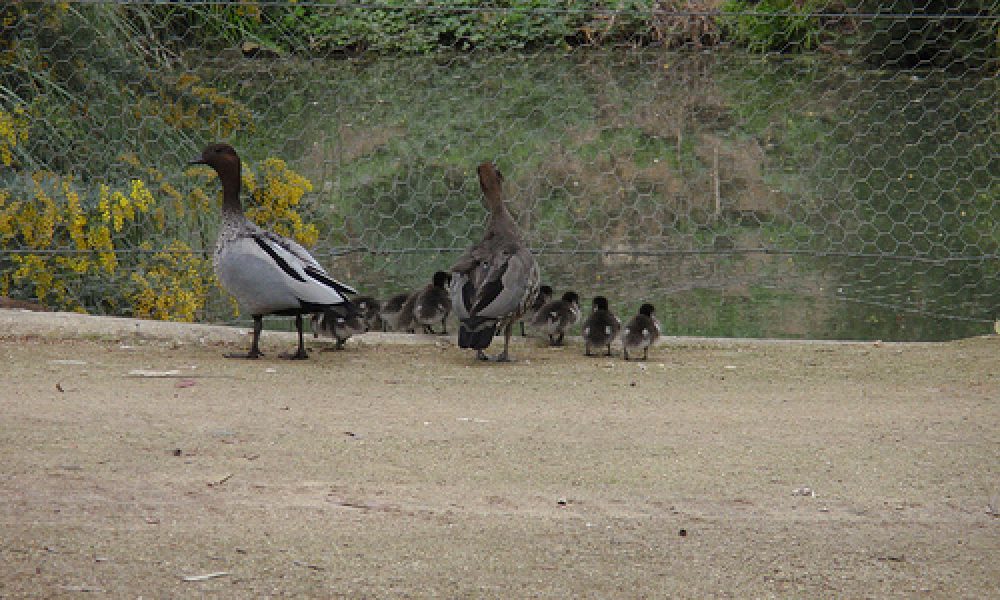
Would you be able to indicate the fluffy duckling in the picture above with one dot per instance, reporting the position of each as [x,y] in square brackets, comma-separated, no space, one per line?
[392,310]
[641,332]
[544,297]
[338,325]
[431,304]
[557,316]
[267,274]
[368,307]
[601,327]
[496,280]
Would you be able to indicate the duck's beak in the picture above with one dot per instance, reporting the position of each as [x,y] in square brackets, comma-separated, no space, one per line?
[197,161]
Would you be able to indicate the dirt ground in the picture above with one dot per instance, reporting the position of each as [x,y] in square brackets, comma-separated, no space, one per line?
[403,468]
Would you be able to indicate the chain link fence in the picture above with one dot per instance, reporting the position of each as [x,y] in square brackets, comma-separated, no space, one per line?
[826,174]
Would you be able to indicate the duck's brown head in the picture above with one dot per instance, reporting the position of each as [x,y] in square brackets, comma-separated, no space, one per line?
[221,157]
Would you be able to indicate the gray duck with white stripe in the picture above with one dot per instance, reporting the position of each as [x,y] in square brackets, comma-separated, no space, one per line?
[267,274]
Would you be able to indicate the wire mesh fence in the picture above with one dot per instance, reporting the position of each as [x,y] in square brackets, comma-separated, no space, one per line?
[800,172]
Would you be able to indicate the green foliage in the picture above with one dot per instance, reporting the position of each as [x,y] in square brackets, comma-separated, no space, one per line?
[773,25]
[945,40]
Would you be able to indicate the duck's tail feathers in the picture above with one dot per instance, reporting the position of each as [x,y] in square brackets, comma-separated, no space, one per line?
[476,332]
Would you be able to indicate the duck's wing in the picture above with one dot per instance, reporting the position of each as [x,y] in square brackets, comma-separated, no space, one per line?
[308,265]
[507,285]
[292,266]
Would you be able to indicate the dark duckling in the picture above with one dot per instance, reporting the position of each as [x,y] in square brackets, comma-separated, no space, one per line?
[641,332]
[557,316]
[339,325]
[391,311]
[432,304]
[601,327]
[369,309]
[544,297]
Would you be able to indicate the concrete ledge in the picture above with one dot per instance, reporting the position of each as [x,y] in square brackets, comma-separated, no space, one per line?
[61,325]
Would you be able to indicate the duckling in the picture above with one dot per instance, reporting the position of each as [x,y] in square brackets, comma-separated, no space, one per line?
[641,332]
[339,325]
[368,307]
[391,311]
[432,304]
[601,327]
[557,316]
[496,280]
[544,297]
[267,274]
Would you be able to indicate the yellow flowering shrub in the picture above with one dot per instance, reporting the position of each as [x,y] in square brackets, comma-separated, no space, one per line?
[185,102]
[13,130]
[52,241]
[70,257]
[171,285]
[276,196]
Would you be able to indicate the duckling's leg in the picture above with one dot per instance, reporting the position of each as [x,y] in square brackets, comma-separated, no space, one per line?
[503,356]
[645,353]
[444,325]
[258,325]
[481,355]
[300,354]
[609,349]
[625,352]
[522,328]
[587,350]
[559,342]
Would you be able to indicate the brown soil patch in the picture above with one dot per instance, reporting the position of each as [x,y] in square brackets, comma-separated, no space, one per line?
[391,470]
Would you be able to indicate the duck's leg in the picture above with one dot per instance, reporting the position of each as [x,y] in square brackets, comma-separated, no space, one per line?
[504,356]
[481,355]
[444,325]
[645,353]
[609,349]
[258,325]
[625,352]
[559,342]
[300,354]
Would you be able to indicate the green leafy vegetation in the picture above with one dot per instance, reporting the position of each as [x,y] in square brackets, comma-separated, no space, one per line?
[610,154]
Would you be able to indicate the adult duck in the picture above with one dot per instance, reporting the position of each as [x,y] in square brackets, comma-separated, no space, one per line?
[496,280]
[601,327]
[641,332]
[267,274]
[557,316]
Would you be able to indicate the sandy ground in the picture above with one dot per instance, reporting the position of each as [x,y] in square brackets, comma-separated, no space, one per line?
[399,467]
